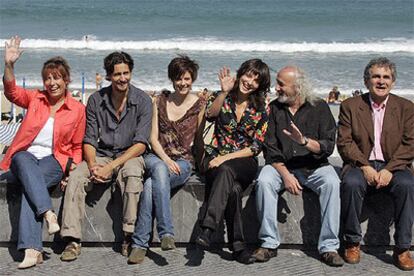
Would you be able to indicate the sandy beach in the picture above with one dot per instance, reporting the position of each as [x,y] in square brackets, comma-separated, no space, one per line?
[5,104]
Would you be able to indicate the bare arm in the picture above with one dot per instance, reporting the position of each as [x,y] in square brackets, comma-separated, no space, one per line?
[217,161]
[198,139]
[89,154]
[102,173]
[132,152]
[156,145]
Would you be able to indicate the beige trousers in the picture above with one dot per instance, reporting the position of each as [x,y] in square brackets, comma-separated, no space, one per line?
[129,178]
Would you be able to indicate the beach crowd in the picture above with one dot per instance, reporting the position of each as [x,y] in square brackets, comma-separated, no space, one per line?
[148,145]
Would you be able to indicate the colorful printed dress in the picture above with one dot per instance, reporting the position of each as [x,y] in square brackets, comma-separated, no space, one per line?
[230,136]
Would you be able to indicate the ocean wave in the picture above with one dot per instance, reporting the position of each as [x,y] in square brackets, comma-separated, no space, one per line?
[321,90]
[214,44]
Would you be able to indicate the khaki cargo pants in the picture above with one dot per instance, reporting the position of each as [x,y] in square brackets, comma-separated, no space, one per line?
[129,178]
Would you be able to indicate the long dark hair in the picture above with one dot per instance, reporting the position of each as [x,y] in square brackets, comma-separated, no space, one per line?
[256,67]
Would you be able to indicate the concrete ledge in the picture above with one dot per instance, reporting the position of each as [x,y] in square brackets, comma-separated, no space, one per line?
[299,216]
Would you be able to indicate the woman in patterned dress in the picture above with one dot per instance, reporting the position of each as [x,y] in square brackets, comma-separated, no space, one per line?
[239,112]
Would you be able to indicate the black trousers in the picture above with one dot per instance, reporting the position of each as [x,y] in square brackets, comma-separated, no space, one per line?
[224,190]
[353,190]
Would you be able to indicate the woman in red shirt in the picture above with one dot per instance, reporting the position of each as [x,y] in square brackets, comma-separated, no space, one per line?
[46,147]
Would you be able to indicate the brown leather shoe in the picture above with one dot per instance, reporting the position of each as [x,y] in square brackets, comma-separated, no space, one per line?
[352,253]
[402,259]
[332,259]
[264,254]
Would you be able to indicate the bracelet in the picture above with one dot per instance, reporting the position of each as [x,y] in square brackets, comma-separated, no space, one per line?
[306,141]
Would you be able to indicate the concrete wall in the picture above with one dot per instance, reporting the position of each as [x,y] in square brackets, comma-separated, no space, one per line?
[299,216]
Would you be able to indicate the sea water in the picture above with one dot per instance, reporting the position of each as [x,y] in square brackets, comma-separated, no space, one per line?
[331,40]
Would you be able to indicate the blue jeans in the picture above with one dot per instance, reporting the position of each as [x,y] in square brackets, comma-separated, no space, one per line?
[157,194]
[35,176]
[323,181]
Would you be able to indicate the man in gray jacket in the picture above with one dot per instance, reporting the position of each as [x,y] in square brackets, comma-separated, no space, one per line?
[118,124]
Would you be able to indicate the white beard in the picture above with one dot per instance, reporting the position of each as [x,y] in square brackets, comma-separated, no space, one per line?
[285,99]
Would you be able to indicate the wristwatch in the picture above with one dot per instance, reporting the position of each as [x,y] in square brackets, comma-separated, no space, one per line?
[306,141]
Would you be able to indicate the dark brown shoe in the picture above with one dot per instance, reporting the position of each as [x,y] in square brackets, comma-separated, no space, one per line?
[402,259]
[264,254]
[126,245]
[332,259]
[352,253]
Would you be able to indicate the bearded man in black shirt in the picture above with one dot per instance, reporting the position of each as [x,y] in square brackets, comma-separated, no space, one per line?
[300,137]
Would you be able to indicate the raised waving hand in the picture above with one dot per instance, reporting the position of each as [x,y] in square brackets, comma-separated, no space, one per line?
[12,50]
[226,80]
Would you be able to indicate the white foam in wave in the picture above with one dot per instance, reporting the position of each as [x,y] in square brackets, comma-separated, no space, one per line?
[148,85]
[213,44]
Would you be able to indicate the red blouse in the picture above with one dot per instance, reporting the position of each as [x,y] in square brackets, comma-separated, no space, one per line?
[68,129]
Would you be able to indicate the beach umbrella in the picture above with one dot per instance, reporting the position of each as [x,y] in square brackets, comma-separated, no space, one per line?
[12,113]
[1,110]
[83,88]
[24,86]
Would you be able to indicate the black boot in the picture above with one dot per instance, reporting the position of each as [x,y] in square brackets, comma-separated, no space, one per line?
[243,256]
[204,238]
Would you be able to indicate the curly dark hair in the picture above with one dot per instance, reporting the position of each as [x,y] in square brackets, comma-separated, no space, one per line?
[116,58]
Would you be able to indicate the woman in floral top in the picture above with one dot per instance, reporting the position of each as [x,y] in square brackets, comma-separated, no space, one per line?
[239,112]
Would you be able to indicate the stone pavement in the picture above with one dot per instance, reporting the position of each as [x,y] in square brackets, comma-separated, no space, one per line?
[192,261]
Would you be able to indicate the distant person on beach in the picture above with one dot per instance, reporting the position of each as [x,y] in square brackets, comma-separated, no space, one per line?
[333,96]
[98,81]
[299,140]
[118,127]
[357,92]
[177,125]
[46,147]
[239,113]
[376,142]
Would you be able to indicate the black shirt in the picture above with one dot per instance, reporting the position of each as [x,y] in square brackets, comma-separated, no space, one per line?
[112,137]
[314,121]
